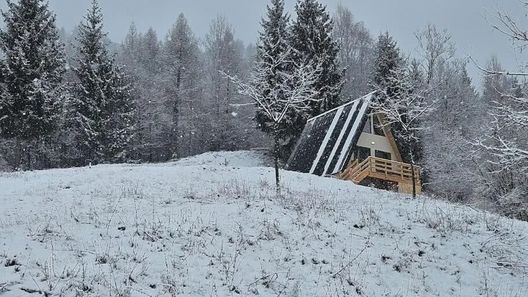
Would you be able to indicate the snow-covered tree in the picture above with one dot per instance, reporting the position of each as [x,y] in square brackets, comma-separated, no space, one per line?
[443,148]
[222,55]
[449,165]
[32,64]
[397,79]
[502,143]
[150,51]
[272,47]
[181,82]
[400,102]
[281,96]
[132,47]
[314,46]
[102,108]
[436,47]
[387,62]
[141,55]
[356,53]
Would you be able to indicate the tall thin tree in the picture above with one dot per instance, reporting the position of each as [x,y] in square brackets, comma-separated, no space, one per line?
[273,46]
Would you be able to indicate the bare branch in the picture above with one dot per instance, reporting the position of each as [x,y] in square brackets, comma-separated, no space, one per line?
[493,72]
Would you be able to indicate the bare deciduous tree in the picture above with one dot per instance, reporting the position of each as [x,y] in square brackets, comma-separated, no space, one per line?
[294,92]
[436,46]
[403,107]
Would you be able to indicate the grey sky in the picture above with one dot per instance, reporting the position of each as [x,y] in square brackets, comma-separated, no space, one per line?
[469,21]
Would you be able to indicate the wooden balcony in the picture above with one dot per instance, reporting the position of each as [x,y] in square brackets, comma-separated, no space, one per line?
[387,170]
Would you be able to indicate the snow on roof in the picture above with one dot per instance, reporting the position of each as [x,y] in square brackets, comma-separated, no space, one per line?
[327,139]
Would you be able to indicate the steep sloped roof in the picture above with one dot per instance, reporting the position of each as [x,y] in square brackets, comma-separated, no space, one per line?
[327,140]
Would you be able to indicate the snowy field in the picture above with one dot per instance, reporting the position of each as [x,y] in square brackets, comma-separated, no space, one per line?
[211,226]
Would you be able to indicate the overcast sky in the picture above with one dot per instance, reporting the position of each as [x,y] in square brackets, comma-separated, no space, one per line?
[469,21]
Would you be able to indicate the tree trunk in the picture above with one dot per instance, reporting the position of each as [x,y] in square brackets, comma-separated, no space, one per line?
[176,117]
[276,151]
[18,153]
[28,164]
[411,157]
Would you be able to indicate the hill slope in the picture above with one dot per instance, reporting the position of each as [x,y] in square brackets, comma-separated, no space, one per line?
[201,227]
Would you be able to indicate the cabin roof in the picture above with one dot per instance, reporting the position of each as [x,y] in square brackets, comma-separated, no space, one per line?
[328,139]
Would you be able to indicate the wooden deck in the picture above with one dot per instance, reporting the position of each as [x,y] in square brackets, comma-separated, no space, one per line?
[386,170]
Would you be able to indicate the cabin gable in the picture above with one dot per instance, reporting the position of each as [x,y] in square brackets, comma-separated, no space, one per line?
[353,143]
[377,138]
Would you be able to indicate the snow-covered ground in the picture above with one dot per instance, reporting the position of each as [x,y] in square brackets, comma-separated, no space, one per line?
[212,226]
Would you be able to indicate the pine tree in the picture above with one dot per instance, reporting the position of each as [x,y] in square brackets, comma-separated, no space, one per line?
[223,56]
[150,50]
[131,48]
[313,44]
[180,78]
[142,57]
[32,72]
[387,62]
[103,106]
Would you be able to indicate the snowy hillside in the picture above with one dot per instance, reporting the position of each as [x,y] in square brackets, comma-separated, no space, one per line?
[211,226]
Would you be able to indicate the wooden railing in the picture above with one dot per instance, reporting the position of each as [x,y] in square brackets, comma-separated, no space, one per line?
[382,169]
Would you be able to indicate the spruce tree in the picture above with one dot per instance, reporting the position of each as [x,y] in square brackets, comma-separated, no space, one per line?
[387,62]
[103,106]
[313,44]
[32,71]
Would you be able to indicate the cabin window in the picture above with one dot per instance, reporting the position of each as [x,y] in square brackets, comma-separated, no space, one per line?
[383,155]
[368,126]
[378,128]
[362,153]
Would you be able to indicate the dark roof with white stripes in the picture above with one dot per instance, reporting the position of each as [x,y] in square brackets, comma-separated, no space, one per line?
[327,140]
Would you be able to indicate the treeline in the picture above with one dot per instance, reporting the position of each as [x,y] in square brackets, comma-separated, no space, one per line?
[149,99]
[71,100]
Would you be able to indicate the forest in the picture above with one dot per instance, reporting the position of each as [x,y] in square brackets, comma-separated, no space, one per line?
[71,99]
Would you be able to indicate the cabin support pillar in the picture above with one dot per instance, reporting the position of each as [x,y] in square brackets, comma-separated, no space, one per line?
[407,188]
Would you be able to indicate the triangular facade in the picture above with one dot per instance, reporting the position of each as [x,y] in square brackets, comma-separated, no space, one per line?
[351,142]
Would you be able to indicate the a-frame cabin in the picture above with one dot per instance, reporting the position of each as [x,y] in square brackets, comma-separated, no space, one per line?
[350,142]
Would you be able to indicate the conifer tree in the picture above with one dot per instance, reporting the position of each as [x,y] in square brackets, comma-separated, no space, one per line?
[141,56]
[313,44]
[150,51]
[387,62]
[180,77]
[103,105]
[223,55]
[32,72]
[132,48]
